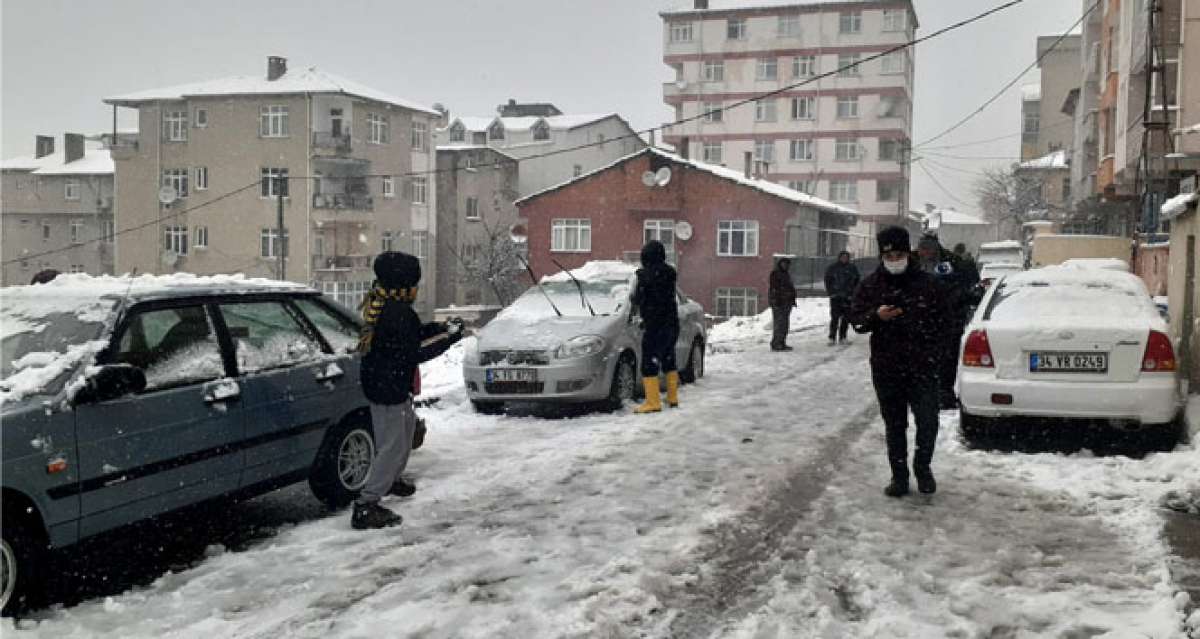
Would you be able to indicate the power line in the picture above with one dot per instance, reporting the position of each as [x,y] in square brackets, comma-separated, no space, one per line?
[950,156]
[948,167]
[1012,82]
[941,186]
[997,138]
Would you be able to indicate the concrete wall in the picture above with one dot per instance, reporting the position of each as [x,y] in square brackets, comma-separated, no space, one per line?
[1049,250]
[542,173]
[1060,74]
[30,202]
[1152,265]
[1184,229]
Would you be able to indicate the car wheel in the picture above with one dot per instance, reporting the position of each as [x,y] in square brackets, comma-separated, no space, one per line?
[695,364]
[974,429]
[343,463]
[488,408]
[20,554]
[624,384]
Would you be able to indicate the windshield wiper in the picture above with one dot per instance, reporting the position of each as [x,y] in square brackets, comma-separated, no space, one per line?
[539,285]
[583,298]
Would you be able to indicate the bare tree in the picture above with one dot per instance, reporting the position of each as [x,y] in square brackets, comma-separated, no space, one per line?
[1010,198]
[491,260]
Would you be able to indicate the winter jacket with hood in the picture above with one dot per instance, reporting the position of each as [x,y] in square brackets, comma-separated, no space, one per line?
[398,341]
[958,279]
[655,292]
[910,344]
[841,279]
[781,292]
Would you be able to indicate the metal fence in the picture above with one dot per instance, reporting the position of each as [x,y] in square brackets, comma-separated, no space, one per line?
[808,273]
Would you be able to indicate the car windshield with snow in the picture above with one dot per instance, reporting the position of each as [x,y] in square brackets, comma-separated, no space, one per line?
[573,339]
[1078,344]
[125,398]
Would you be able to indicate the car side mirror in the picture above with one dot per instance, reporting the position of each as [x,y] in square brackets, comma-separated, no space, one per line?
[111,382]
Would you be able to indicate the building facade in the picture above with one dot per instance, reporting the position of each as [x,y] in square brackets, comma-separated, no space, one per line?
[56,210]
[352,166]
[722,228]
[842,138]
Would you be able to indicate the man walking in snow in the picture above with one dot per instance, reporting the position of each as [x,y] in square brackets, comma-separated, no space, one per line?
[959,281]
[394,342]
[841,279]
[902,308]
[655,299]
[781,295]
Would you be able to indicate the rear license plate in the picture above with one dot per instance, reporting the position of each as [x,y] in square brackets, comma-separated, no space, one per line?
[1055,362]
[511,375]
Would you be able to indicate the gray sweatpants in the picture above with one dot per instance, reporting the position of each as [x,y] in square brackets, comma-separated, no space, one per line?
[394,426]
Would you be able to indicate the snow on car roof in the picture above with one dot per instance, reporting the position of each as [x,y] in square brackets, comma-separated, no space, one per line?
[1074,276]
[1006,244]
[1105,263]
[597,270]
[79,288]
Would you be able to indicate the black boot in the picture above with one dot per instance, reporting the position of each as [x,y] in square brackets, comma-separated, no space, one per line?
[372,516]
[925,481]
[898,487]
[403,488]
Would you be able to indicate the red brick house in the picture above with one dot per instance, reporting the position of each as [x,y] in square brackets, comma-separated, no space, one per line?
[737,225]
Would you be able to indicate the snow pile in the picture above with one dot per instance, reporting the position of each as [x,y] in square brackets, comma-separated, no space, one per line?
[1000,246]
[34,372]
[1102,263]
[596,271]
[742,333]
[1177,205]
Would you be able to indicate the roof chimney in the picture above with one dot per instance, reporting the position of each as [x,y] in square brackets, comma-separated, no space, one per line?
[685,144]
[43,145]
[701,4]
[276,67]
[73,146]
[749,169]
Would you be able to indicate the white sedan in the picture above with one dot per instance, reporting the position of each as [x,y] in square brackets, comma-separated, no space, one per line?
[1078,344]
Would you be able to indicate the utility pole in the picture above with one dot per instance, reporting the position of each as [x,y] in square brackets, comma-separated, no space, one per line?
[1157,139]
[280,250]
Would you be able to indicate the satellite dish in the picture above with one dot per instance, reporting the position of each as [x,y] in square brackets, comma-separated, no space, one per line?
[648,178]
[663,176]
[683,231]
[167,194]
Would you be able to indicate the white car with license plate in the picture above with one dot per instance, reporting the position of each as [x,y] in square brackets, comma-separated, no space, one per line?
[1070,343]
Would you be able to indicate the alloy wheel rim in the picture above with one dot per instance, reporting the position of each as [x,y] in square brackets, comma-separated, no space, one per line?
[626,382]
[354,459]
[8,572]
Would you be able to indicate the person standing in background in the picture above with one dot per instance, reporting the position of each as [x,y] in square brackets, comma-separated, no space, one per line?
[781,295]
[841,278]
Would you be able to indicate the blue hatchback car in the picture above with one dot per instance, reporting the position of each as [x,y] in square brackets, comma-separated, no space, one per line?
[125,398]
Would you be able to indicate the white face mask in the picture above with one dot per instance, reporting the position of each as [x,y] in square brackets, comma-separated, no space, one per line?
[895,267]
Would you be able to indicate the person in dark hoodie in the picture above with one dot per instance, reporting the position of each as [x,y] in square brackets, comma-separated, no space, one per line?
[655,298]
[841,278]
[394,342]
[781,294]
[959,281]
[903,309]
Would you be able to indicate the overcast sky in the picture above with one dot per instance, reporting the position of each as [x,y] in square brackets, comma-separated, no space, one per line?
[58,58]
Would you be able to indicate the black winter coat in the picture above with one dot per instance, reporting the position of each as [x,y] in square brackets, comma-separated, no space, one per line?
[911,344]
[781,292]
[841,280]
[959,280]
[399,343]
[655,298]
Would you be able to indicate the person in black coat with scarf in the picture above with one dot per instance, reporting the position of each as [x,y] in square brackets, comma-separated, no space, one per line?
[655,298]
[904,310]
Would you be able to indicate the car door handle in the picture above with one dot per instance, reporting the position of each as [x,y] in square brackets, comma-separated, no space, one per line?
[330,372]
[222,391]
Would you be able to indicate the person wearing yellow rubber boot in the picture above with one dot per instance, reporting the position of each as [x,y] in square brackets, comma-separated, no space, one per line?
[655,299]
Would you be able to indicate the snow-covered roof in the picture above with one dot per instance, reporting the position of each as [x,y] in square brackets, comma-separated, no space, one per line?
[1177,205]
[595,271]
[1031,92]
[310,80]
[951,217]
[476,124]
[1053,160]
[1000,246]
[474,147]
[95,161]
[1038,223]
[770,188]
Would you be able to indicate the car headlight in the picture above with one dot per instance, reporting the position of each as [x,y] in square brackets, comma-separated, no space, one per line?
[581,346]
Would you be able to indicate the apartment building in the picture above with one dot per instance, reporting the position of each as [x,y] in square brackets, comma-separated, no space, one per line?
[56,210]
[352,166]
[841,138]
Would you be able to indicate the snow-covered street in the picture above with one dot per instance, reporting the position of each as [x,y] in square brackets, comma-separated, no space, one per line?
[754,510]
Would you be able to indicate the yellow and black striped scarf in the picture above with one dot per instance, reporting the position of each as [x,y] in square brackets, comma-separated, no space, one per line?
[372,307]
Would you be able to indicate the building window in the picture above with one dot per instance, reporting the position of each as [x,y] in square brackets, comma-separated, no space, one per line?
[200,237]
[577,170]
[850,22]
[712,111]
[736,302]
[178,180]
[541,131]
[1033,122]
[319,245]
[472,208]
[1066,189]
[847,106]
[202,178]
[175,240]
[420,133]
[889,150]
[887,191]
[108,230]
[458,133]
[764,151]
[892,107]
[76,232]
[378,129]
[789,26]
[469,163]
[802,151]
[764,110]
[71,190]
[804,186]
[847,150]
[45,231]
[768,69]
[201,118]
[895,62]
[386,242]
[804,108]
[77,268]
[848,66]
[175,126]
[736,29]
[714,70]
[571,235]
[389,186]
[420,190]
[274,182]
[804,66]
[420,244]
[273,121]
[712,152]
[737,238]
[496,131]
[681,32]
[269,244]
[894,20]
[843,190]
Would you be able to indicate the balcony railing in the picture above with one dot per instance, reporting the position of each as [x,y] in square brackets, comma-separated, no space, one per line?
[340,262]
[327,141]
[345,201]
